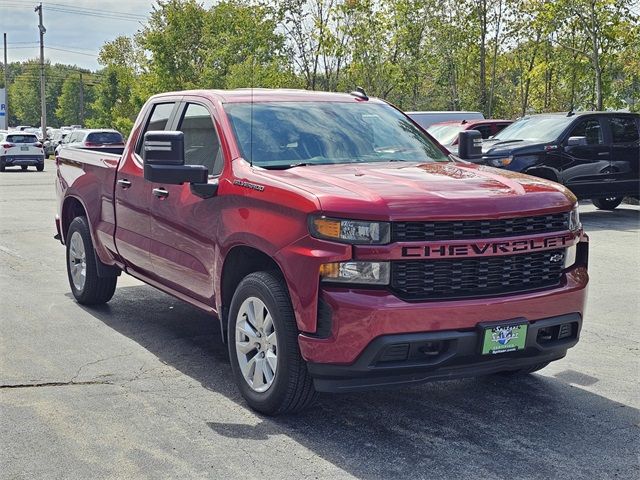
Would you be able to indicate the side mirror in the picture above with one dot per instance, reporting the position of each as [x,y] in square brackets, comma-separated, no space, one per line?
[470,145]
[163,157]
[573,141]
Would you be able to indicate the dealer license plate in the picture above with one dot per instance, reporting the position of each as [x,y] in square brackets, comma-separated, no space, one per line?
[24,149]
[504,338]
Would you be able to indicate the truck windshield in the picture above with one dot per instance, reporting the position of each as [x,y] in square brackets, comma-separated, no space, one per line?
[537,129]
[287,134]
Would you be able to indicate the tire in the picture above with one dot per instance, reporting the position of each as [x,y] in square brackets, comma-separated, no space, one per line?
[40,167]
[526,370]
[609,203]
[92,289]
[24,167]
[291,388]
[2,166]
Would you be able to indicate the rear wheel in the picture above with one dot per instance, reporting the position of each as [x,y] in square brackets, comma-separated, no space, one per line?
[608,203]
[24,167]
[2,166]
[263,347]
[40,167]
[87,287]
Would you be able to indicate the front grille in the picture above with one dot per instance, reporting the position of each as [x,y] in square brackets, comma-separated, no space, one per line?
[476,229]
[476,277]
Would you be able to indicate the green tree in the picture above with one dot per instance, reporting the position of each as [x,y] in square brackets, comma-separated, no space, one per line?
[74,101]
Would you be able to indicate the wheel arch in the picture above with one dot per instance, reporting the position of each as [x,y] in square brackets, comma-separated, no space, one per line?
[240,261]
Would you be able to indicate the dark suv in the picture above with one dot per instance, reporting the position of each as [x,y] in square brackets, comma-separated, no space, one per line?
[595,154]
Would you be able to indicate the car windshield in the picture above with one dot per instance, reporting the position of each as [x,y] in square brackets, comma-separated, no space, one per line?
[22,139]
[538,129]
[285,134]
[445,134]
[104,137]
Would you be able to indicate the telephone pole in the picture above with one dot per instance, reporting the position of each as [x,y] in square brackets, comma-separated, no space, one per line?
[43,103]
[81,100]
[6,85]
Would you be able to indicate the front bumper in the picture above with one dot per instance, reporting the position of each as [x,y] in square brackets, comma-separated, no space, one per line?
[20,160]
[403,359]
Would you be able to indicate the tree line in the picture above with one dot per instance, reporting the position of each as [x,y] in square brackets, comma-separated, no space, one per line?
[506,58]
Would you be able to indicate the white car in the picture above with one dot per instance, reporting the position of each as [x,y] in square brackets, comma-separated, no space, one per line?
[19,149]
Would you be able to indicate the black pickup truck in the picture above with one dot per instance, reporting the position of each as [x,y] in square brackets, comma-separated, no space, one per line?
[595,154]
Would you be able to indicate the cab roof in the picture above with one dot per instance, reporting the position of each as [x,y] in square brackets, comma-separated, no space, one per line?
[245,95]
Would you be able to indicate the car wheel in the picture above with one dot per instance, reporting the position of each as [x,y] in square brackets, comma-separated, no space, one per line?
[526,370]
[87,287]
[263,347]
[40,167]
[608,203]
[2,166]
[24,167]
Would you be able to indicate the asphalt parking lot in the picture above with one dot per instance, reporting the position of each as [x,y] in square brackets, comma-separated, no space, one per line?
[142,387]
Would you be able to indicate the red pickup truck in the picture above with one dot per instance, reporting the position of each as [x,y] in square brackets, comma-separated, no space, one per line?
[339,246]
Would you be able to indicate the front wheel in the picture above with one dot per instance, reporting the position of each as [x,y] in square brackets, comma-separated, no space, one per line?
[87,287]
[263,347]
[24,167]
[608,203]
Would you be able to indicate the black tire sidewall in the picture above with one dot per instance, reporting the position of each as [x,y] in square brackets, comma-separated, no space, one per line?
[252,286]
[604,204]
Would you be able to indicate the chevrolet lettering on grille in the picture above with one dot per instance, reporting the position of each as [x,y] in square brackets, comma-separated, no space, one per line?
[485,248]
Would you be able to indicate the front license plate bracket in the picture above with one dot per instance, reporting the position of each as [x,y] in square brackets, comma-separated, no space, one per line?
[503,337]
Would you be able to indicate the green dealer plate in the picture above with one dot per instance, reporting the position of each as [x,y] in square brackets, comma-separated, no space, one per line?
[504,338]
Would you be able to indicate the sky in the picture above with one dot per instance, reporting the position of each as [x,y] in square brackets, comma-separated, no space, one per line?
[76,30]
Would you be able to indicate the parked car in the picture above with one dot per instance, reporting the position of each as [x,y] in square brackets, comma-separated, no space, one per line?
[338,246]
[50,144]
[102,139]
[426,119]
[447,132]
[21,149]
[595,154]
[21,128]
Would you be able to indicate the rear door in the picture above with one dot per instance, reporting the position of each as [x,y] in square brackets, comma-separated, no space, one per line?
[184,226]
[625,153]
[133,195]
[586,168]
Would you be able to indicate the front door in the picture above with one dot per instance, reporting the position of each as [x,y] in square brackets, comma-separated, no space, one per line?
[586,168]
[625,154]
[184,226]
[133,198]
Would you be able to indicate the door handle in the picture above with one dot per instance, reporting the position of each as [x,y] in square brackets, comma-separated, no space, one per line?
[603,154]
[124,183]
[160,192]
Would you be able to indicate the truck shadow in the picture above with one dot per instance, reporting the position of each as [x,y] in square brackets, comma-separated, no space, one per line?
[492,427]
[625,218]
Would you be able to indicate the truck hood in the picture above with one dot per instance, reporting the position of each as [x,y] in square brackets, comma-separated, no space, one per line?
[411,191]
[507,147]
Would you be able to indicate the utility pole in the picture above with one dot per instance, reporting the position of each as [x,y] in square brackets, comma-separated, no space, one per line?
[81,100]
[43,103]
[6,85]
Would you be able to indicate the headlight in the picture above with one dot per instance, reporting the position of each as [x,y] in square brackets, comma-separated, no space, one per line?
[574,220]
[371,273]
[500,162]
[350,231]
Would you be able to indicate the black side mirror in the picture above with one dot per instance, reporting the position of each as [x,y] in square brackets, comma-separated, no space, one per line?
[470,145]
[573,141]
[163,157]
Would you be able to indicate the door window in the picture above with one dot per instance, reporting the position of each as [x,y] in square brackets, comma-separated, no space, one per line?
[201,144]
[623,130]
[591,130]
[157,121]
[485,130]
